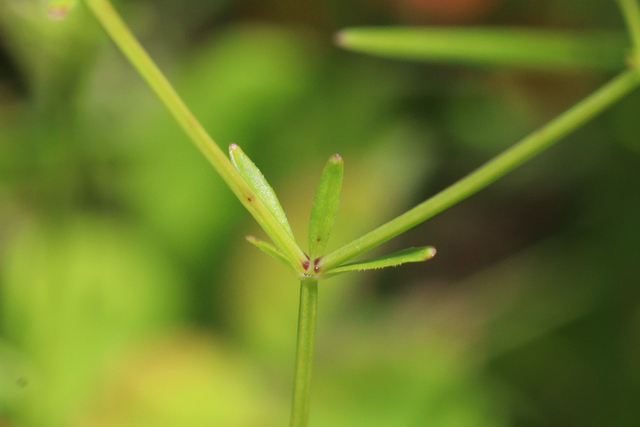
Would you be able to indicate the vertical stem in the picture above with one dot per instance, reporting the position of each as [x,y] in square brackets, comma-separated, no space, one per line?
[304,353]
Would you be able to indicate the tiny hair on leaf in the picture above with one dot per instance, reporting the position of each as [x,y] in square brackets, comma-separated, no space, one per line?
[392,260]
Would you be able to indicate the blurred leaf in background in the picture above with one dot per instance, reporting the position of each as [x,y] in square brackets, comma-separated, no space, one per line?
[73,297]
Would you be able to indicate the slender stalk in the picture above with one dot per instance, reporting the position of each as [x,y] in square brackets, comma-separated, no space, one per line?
[140,59]
[492,170]
[631,11]
[304,353]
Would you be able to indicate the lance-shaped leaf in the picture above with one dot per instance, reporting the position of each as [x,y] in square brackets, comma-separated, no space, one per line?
[271,250]
[392,260]
[518,47]
[256,180]
[325,206]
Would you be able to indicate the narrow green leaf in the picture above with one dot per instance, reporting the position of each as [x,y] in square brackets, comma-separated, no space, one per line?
[392,260]
[538,49]
[271,250]
[325,206]
[258,184]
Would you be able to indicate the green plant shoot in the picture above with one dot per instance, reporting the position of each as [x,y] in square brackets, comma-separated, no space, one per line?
[492,47]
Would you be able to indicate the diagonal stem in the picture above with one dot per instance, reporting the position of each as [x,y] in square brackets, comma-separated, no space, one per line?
[631,12]
[304,353]
[140,59]
[492,170]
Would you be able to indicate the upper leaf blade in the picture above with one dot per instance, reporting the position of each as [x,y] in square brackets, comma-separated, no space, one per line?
[391,260]
[492,46]
[325,206]
[256,180]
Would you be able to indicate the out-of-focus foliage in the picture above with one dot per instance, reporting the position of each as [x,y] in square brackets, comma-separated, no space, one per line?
[129,297]
[506,47]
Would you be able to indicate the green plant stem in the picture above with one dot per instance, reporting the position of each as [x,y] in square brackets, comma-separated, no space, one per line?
[492,170]
[140,59]
[631,12]
[304,353]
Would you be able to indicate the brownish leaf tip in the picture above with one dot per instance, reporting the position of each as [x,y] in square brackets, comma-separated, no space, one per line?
[58,13]
[340,38]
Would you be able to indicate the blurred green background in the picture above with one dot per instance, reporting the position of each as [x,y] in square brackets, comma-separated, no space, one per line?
[128,296]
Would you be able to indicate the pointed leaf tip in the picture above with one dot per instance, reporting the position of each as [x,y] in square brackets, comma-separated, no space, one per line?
[431,252]
[325,205]
[340,38]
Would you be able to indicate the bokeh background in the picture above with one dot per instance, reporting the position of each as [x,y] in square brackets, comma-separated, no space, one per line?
[128,296]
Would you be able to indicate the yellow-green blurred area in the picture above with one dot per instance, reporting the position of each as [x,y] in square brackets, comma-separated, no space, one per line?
[129,297]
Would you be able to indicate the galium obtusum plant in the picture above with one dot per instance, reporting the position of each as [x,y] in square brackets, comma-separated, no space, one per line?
[252,189]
